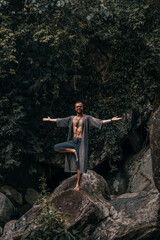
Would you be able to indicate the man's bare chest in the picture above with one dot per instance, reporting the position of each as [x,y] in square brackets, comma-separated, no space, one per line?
[77,122]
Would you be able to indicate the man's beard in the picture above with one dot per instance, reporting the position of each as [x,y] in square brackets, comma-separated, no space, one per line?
[79,112]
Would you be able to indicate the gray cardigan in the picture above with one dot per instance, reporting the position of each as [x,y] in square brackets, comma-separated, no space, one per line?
[87,123]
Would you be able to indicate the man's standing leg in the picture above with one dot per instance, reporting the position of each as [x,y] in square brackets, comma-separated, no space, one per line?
[79,175]
[67,147]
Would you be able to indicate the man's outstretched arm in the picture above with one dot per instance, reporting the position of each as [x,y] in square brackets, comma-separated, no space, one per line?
[61,122]
[49,119]
[111,120]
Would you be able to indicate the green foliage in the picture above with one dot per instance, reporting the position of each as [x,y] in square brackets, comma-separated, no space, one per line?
[50,226]
[50,223]
[44,195]
[54,53]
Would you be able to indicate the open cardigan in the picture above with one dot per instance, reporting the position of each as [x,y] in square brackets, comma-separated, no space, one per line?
[87,123]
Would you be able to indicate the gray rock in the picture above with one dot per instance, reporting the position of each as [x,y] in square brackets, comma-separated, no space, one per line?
[9,225]
[136,176]
[7,210]
[117,182]
[31,196]
[132,216]
[89,201]
[91,182]
[12,194]
[129,195]
[121,218]
[81,208]
[139,172]
[155,147]
[17,229]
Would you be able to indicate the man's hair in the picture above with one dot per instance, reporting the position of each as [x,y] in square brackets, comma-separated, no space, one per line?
[78,102]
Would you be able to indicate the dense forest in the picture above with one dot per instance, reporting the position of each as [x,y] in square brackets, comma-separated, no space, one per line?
[54,52]
[106,54]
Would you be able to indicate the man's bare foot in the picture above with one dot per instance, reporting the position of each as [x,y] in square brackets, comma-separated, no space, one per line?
[77,188]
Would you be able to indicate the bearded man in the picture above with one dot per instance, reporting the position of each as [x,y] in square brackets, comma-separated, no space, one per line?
[76,147]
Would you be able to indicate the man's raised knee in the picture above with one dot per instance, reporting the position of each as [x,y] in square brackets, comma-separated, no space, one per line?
[56,147]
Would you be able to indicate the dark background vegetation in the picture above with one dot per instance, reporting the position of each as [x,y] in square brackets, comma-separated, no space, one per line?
[53,53]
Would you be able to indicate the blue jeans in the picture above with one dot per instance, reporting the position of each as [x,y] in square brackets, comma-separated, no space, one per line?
[73,144]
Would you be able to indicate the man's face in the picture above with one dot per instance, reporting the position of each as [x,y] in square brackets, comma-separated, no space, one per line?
[79,108]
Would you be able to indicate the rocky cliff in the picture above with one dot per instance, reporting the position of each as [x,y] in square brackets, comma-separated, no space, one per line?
[92,211]
[125,208]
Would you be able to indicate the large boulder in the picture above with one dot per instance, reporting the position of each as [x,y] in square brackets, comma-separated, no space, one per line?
[132,216]
[91,183]
[135,176]
[7,210]
[91,211]
[155,146]
[90,202]
[15,197]
[17,229]
[9,225]
[102,219]
[31,196]
[139,172]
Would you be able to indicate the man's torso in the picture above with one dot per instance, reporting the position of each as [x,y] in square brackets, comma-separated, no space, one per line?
[77,127]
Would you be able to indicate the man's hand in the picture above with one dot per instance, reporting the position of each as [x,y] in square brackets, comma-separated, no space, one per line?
[47,119]
[116,118]
[111,120]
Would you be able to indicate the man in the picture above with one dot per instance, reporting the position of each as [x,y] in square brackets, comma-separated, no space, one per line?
[76,146]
